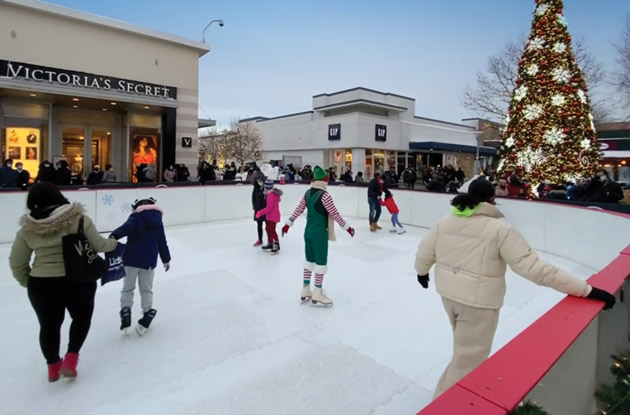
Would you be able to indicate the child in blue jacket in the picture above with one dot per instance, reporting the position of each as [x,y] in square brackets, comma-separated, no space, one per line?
[145,240]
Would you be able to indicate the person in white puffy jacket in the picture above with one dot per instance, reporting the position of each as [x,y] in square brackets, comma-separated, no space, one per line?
[470,249]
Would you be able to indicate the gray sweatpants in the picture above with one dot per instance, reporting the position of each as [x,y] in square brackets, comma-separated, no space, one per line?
[145,284]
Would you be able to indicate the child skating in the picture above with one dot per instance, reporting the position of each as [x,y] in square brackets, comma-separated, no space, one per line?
[392,208]
[320,219]
[145,240]
[272,214]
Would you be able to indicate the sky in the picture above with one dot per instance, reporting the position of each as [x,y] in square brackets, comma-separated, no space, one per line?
[271,57]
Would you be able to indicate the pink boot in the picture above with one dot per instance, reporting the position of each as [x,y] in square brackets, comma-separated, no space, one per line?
[69,365]
[53,371]
[258,243]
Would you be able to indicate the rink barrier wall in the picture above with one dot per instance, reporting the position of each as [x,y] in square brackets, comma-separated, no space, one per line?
[557,361]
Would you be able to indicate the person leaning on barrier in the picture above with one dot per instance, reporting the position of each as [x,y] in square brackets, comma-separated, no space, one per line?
[470,249]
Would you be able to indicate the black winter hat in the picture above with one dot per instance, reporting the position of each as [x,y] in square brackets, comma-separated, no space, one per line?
[481,189]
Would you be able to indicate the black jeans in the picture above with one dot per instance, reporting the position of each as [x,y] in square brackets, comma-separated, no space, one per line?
[50,297]
[260,224]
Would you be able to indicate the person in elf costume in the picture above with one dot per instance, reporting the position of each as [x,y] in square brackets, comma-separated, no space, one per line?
[320,229]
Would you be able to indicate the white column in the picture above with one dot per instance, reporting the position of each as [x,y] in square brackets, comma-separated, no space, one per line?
[358,161]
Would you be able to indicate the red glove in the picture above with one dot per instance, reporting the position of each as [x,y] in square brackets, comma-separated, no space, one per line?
[285,230]
[350,231]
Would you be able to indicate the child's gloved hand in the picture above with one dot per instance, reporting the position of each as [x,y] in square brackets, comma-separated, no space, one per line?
[167,266]
[285,230]
[351,231]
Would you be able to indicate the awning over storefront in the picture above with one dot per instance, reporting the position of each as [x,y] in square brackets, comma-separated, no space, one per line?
[437,146]
[616,154]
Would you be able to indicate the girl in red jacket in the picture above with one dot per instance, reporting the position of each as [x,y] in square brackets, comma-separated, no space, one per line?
[392,208]
[272,213]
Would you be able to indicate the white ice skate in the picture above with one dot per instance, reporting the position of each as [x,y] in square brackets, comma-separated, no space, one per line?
[307,294]
[145,322]
[319,298]
[126,331]
[401,231]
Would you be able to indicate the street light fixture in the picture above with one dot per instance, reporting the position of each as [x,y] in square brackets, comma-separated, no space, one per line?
[203,34]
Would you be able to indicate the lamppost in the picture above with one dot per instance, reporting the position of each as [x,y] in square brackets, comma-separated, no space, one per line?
[203,33]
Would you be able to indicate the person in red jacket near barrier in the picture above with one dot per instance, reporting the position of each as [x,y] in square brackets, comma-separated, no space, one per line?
[392,208]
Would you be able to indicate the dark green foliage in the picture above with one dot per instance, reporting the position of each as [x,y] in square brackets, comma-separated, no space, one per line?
[615,399]
[529,408]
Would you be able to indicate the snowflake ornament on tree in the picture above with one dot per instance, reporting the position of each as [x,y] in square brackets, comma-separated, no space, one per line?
[558,100]
[536,43]
[533,111]
[559,47]
[550,133]
[561,76]
[520,93]
[542,9]
[554,137]
[532,70]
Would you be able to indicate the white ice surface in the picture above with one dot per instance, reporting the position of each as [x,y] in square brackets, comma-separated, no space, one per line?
[231,337]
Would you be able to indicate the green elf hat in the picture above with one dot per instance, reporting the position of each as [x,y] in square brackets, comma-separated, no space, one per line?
[319,173]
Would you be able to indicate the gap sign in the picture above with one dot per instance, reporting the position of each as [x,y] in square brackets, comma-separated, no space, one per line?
[380,132]
[334,132]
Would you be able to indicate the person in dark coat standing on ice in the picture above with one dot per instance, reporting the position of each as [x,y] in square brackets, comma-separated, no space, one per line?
[145,241]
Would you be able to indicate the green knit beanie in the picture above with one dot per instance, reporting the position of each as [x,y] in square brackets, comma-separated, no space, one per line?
[319,173]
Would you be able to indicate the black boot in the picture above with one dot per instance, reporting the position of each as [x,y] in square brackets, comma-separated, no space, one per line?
[145,321]
[267,247]
[125,318]
[275,248]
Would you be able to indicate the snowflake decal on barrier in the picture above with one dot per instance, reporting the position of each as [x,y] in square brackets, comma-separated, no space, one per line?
[125,207]
[107,200]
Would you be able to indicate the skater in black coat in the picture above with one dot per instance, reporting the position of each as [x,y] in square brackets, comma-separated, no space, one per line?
[258,203]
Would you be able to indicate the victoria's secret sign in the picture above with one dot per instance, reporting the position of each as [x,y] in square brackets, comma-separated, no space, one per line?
[19,70]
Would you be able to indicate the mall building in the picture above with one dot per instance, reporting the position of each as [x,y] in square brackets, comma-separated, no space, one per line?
[371,131]
[93,90]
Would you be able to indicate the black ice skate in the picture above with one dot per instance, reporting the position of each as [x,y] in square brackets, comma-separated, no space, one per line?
[267,247]
[145,321]
[275,248]
[125,320]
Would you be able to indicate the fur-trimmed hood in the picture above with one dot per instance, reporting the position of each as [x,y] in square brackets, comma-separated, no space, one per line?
[59,219]
[277,191]
[151,216]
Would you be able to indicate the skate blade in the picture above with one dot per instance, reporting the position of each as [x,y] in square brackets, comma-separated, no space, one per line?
[141,330]
[305,300]
[275,253]
[126,331]
[319,304]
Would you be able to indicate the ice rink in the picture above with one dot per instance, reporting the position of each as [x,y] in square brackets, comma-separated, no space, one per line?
[231,337]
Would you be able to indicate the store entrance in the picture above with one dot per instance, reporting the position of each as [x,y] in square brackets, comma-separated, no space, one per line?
[85,147]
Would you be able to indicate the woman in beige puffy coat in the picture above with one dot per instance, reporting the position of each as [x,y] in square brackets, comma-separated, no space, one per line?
[470,249]
[51,217]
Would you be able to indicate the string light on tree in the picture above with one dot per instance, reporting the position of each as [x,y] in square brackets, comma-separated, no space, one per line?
[549,131]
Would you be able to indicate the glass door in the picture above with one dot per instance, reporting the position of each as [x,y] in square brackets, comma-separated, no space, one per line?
[100,150]
[75,152]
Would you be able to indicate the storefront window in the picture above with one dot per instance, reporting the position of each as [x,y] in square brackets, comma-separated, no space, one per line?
[145,151]
[348,159]
[379,161]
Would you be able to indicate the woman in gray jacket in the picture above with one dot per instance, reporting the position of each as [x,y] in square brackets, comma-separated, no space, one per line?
[470,249]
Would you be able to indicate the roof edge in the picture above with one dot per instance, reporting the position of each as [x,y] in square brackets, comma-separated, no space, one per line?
[94,19]
[363,89]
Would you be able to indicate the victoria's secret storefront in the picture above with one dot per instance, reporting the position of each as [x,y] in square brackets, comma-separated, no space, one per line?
[87,119]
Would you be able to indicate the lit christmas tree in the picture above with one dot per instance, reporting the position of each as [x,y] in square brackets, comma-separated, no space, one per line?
[615,399]
[550,132]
